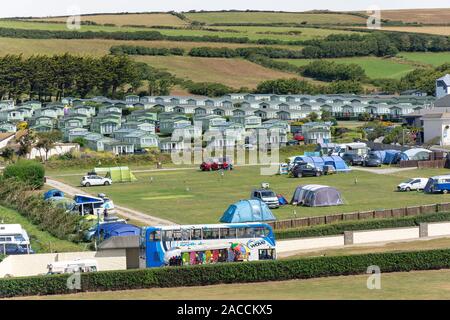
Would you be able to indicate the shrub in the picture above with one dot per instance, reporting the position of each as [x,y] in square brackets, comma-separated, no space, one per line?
[340,227]
[28,171]
[260,271]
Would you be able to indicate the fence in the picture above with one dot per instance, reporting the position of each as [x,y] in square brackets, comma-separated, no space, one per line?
[361,215]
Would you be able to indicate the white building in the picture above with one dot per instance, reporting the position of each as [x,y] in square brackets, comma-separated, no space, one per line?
[437,125]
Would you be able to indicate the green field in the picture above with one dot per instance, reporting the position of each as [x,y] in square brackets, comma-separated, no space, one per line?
[41,241]
[403,285]
[431,58]
[191,196]
[274,17]
[375,67]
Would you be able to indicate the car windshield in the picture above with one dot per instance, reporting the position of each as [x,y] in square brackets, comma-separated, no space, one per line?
[408,181]
[267,194]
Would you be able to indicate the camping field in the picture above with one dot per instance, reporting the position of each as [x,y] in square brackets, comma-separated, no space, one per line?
[190,196]
[402,285]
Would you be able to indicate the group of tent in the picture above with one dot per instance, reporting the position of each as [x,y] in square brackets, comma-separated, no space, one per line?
[255,210]
[319,162]
[395,156]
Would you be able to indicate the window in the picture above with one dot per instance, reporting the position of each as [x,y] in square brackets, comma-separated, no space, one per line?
[261,232]
[266,254]
[196,234]
[210,234]
[167,235]
[155,236]
[229,233]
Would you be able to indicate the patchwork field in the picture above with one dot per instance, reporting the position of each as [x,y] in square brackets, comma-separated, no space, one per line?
[143,19]
[374,67]
[235,73]
[403,285]
[41,241]
[431,58]
[191,196]
[437,30]
[274,17]
[425,16]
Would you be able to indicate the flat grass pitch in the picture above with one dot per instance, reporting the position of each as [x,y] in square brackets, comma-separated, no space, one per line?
[431,58]
[375,67]
[192,197]
[274,17]
[144,19]
[403,285]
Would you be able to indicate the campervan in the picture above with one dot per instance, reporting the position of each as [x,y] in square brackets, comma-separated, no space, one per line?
[14,240]
[359,148]
[438,184]
[74,266]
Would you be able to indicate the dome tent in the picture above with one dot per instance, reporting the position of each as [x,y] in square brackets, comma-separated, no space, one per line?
[337,162]
[316,195]
[247,211]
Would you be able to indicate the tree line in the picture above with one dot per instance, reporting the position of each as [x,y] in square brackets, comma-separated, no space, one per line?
[146,51]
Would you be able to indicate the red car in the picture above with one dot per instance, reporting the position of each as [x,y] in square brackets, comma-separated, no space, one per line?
[299,137]
[214,165]
[206,166]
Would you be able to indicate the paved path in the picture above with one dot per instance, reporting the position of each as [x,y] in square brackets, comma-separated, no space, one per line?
[122,211]
[382,171]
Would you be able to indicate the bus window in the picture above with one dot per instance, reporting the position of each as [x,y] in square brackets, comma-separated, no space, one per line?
[196,234]
[261,232]
[176,235]
[266,254]
[228,233]
[249,233]
[185,234]
[155,236]
[240,232]
[211,234]
[167,235]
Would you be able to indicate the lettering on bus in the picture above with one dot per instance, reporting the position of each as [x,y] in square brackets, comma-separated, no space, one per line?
[255,243]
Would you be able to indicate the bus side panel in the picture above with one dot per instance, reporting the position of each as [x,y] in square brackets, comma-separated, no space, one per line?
[154,254]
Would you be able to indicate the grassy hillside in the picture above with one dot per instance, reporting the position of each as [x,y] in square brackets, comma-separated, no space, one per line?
[425,16]
[41,241]
[142,19]
[274,17]
[431,58]
[235,73]
[441,30]
[374,67]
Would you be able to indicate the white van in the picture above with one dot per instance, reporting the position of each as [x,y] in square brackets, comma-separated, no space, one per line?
[61,267]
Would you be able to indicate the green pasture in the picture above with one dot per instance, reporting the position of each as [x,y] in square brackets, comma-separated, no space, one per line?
[431,58]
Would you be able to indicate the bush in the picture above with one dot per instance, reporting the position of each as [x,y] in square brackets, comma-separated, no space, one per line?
[28,171]
[340,227]
[260,271]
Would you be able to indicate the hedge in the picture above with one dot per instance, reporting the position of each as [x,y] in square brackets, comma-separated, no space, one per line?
[229,273]
[340,227]
[28,171]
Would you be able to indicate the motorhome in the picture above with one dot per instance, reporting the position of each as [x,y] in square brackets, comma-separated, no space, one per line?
[14,240]
[61,267]
[359,148]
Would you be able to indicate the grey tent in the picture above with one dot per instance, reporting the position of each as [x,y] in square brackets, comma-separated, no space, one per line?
[315,195]
[247,211]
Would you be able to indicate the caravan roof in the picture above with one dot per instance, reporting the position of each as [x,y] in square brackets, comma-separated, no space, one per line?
[10,229]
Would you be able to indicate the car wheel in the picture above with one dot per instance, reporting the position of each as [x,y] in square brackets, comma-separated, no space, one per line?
[106,183]
[408,189]
[444,191]
[87,184]
[299,175]
[317,174]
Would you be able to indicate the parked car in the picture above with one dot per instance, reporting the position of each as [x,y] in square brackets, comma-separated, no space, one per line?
[267,196]
[216,164]
[413,184]
[306,170]
[299,137]
[372,160]
[352,159]
[95,180]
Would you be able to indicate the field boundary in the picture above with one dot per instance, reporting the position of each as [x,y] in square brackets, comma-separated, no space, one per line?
[360,215]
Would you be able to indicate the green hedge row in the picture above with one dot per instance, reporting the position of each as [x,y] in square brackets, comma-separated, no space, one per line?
[340,227]
[28,171]
[229,273]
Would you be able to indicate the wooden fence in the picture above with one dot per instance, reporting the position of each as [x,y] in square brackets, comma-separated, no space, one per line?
[422,164]
[361,215]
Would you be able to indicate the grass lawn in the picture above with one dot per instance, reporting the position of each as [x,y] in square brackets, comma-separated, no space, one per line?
[235,73]
[41,241]
[350,124]
[432,58]
[146,19]
[273,17]
[191,196]
[374,67]
[403,285]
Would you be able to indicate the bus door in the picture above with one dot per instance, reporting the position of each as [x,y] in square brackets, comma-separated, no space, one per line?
[154,252]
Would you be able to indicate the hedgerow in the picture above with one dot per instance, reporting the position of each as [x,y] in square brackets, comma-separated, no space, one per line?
[28,171]
[229,273]
[340,227]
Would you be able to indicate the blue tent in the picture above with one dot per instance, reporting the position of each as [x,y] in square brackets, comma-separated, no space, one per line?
[118,230]
[337,162]
[53,193]
[247,211]
[391,156]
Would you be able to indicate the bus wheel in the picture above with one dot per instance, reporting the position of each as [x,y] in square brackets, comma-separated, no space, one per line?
[444,191]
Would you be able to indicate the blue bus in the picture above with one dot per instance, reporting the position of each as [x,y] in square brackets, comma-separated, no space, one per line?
[205,244]
[438,184]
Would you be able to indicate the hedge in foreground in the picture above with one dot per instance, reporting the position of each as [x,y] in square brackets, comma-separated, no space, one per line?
[373,224]
[28,171]
[229,273]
